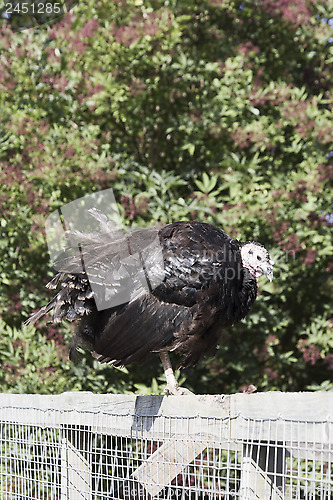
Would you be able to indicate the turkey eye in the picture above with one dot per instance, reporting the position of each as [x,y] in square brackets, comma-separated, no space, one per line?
[258,257]
[250,252]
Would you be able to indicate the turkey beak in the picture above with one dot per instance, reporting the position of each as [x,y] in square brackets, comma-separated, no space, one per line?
[267,269]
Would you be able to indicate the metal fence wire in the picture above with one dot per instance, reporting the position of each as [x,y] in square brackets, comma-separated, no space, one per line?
[80,446]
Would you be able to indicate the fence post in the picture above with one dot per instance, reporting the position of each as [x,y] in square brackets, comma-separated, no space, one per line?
[75,473]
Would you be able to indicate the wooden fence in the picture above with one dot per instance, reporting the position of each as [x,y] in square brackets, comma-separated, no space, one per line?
[80,446]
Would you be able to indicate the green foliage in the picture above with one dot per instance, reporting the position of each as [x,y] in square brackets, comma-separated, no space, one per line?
[34,362]
[218,111]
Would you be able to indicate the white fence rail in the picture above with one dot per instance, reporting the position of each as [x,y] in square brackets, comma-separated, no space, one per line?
[80,446]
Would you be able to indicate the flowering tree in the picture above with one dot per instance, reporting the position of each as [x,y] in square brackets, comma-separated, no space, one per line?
[219,111]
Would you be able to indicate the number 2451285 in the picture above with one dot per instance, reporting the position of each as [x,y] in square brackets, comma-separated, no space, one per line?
[33,8]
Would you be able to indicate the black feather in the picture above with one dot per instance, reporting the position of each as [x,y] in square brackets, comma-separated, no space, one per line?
[203,289]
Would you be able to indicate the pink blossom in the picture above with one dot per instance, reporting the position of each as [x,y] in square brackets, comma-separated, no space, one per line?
[329,361]
[293,11]
[271,374]
[60,82]
[89,28]
[311,353]
[69,153]
[310,257]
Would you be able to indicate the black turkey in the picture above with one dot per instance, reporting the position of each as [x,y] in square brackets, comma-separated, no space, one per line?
[199,282]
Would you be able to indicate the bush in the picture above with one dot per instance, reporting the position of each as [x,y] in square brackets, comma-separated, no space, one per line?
[220,112]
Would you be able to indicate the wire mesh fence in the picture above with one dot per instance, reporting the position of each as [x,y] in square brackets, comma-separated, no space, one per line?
[80,446]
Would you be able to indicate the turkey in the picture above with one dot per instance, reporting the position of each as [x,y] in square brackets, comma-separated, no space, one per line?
[186,292]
